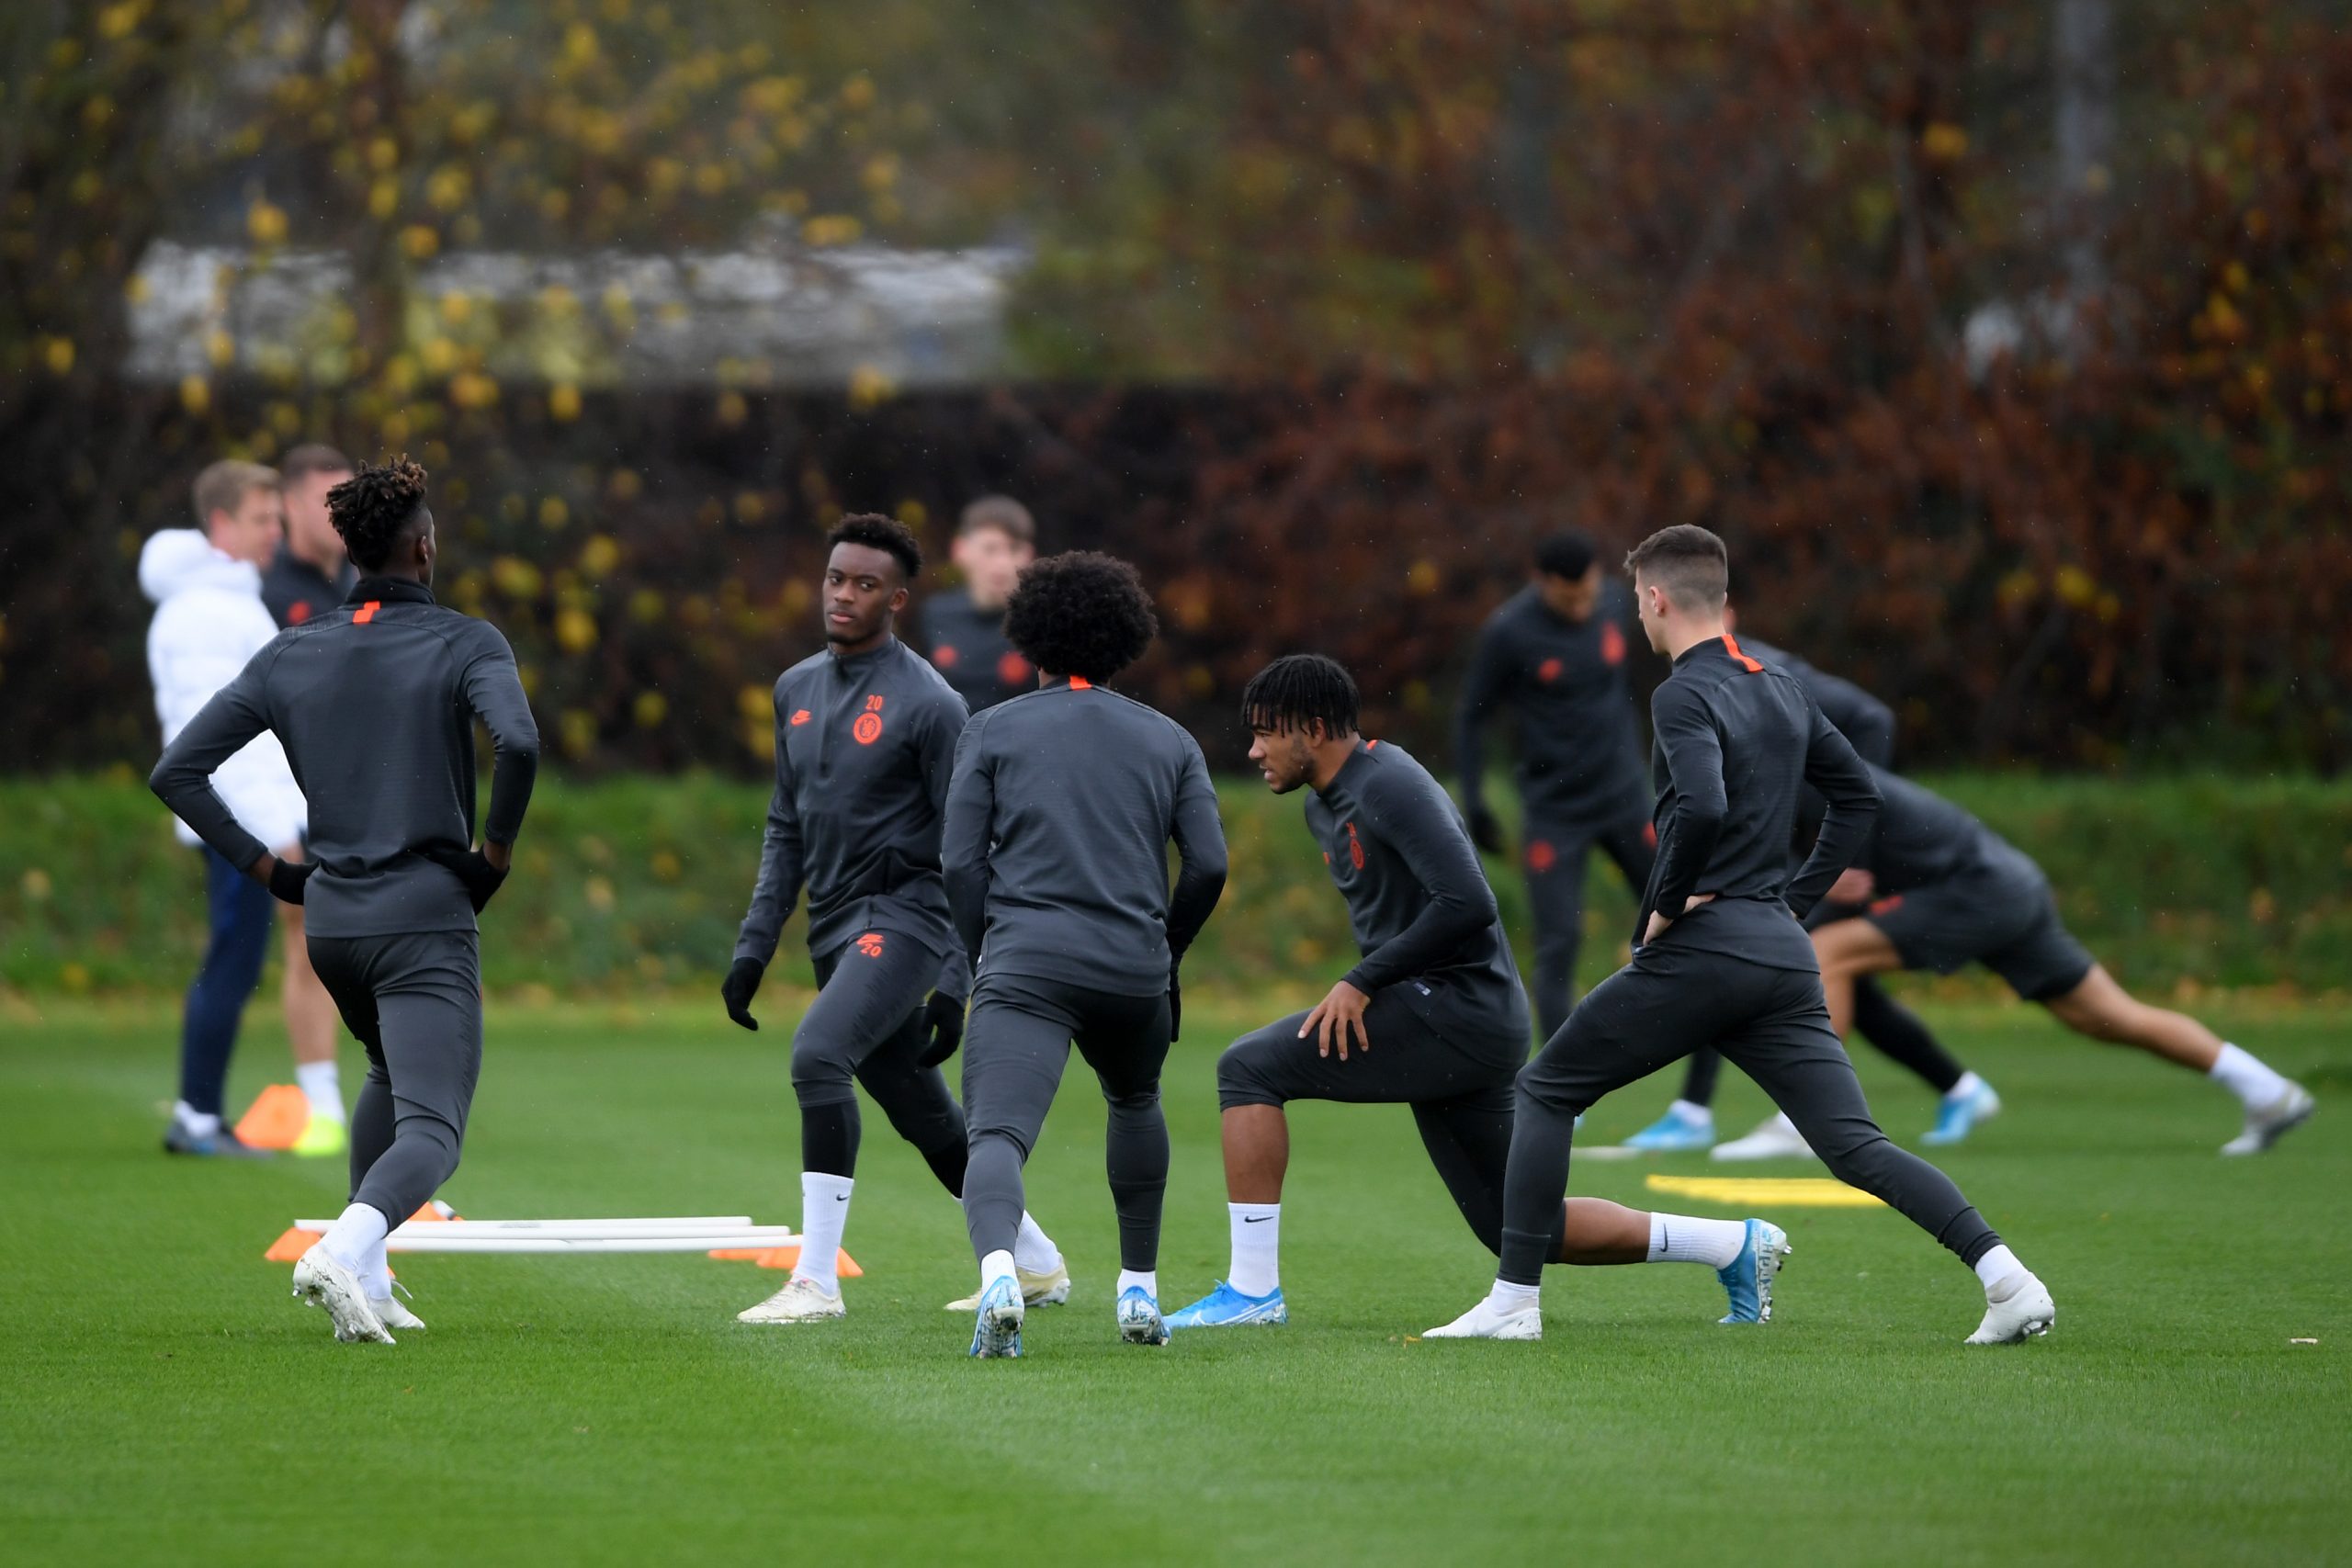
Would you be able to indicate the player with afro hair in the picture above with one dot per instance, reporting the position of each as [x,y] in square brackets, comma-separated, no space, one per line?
[1082,614]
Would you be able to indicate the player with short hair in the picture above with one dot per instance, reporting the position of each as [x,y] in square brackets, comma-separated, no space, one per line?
[1719,959]
[962,630]
[1894,1030]
[1934,888]
[864,738]
[1058,822]
[375,701]
[1554,655]
[1432,1016]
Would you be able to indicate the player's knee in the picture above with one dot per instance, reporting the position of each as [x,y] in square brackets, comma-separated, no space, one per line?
[1541,1090]
[821,1067]
[1241,1077]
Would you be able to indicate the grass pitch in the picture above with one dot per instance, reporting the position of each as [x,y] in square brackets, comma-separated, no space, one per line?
[166,1399]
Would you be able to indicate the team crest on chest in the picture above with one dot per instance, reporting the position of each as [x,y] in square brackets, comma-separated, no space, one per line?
[1356,848]
[868,728]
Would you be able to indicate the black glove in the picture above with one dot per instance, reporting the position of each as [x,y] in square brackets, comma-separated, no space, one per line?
[1175,1006]
[482,879]
[743,983]
[287,877]
[1484,831]
[944,1016]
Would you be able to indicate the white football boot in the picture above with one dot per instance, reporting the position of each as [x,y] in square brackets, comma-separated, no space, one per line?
[2017,1309]
[323,1282]
[1489,1321]
[2273,1121]
[800,1300]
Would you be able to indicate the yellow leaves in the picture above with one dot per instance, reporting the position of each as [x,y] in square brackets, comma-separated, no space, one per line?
[563,402]
[755,702]
[1943,142]
[515,577]
[120,21]
[663,176]
[553,513]
[649,710]
[220,348]
[1422,579]
[2234,278]
[732,410]
[645,607]
[600,554]
[195,394]
[471,389]
[96,110]
[830,229]
[912,512]
[710,179]
[420,241]
[447,187]
[857,93]
[580,45]
[383,199]
[664,864]
[456,307]
[36,885]
[773,96]
[266,223]
[2220,321]
[383,154]
[2075,587]
[869,386]
[881,172]
[57,353]
[439,355]
[575,630]
[558,301]
[624,485]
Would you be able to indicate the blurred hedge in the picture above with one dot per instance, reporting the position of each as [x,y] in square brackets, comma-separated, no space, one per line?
[637,884]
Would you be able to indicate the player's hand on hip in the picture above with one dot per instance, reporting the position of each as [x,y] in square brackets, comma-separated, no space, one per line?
[1336,1017]
[284,878]
[482,875]
[944,1016]
[743,983]
[1855,884]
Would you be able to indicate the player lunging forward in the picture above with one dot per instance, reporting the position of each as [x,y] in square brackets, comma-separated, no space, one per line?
[1433,1017]
[864,739]
[1719,960]
[375,701]
[1058,822]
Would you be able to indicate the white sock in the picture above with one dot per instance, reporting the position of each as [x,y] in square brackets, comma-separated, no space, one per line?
[1148,1279]
[996,1265]
[1692,1111]
[322,1086]
[824,1211]
[1996,1266]
[1257,1248]
[1032,1249]
[376,1274]
[1969,1083]
[194,1122]
[356,1235]
[1683,1238]
[1507,1297]
[2246,1077]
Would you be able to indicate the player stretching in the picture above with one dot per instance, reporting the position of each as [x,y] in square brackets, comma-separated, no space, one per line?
[1433,1017]
[1555,654]
[375,701]
[1950,892]
[1719,959]
[1894,1029]
[1058,822]
[864,738]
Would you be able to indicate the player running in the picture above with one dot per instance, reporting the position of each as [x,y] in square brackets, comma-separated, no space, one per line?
[864,739]
[1897,1031]
[375,701]
[1555,653]
[963,629]
[1727,966]
[1948,892]
[1437,993]
[1058,822]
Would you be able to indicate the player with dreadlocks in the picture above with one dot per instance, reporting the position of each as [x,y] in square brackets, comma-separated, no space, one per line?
[375,703]
[1432,1016]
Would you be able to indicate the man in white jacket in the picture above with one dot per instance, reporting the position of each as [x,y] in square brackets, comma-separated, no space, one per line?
[210,621]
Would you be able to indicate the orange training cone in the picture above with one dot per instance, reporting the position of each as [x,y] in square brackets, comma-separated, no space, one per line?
[275,1118]
[787,1257]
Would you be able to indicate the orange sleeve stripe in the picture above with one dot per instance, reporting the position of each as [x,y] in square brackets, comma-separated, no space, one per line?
[367,611]
[1745,663]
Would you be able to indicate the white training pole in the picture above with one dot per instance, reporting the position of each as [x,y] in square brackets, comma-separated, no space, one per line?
[428,1239]
[696,1224]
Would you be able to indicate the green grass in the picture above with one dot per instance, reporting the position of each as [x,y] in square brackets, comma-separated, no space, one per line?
[166,1401]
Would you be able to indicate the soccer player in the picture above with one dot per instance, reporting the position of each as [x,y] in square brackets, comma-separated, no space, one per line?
[1949,891]
[209,622]
[1966,1099]
[375,701]
[865,736]
[1058,822]
[963,631]
[1554,654]
[1719,960]
[1431,1017]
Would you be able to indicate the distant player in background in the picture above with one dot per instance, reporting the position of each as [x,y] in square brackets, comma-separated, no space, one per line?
[1942,891]
[963,630]
[1059,819]
[1555,656]
[375,701]
[310,574]
[864,738]
[210,621]
[1433,1017]
[1690,1122]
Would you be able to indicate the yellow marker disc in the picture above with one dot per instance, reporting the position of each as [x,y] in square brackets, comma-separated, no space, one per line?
[1765,1192]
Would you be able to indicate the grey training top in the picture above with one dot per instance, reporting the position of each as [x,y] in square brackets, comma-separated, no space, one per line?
[1921,838]
[1058,822]
[294,590]
[1579,755]
[375,703]
[967,645]
[1417,897]
[1860,717]
[1737,741]
[863,747]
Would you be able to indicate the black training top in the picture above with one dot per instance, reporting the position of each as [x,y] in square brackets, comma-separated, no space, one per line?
[967,645]
[1921,838]
[1737,741]
[1417,896]
[1859,717]
[1579,757]
[1058,822]
[294,590]
[375,703]
[863,747]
